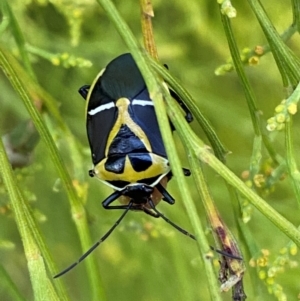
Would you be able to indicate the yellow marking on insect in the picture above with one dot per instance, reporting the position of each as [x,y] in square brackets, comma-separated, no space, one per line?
[124,118]
[158,167]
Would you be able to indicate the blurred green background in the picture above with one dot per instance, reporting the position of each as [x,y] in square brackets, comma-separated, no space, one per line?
[144,259]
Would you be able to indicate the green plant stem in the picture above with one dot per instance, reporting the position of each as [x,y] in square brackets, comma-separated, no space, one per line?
[210,133]
[287,63]
[261,50]
[155,89]
[38,94]
[290,159]
[37,234]
[8,285]
[204,154]
[19,38]
[78,211]
[296,13]
[222,234]
[226,241]
[42,287]
[256,156]
[278,220]
[257,123]
[250,97]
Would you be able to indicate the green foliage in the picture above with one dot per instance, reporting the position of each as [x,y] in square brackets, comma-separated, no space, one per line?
[51,48]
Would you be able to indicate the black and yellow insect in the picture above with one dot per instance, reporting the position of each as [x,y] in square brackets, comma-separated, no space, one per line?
[126,144]
[127,148]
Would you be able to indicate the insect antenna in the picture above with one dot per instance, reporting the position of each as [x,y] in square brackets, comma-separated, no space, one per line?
[170,222]
[102,239]
[226,254]
[223,253]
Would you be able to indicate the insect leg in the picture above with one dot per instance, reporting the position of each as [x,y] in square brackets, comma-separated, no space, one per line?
[114,196]
[111,199]
[166,196]
[150,212]
[223,253]
[186,172]
[170,222]
[188,115]
[84,90]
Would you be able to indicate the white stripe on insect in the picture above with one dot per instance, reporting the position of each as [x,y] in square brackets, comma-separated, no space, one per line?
[141,102]
[107,106]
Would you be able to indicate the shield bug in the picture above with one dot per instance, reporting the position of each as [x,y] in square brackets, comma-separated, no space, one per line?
[126,145]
